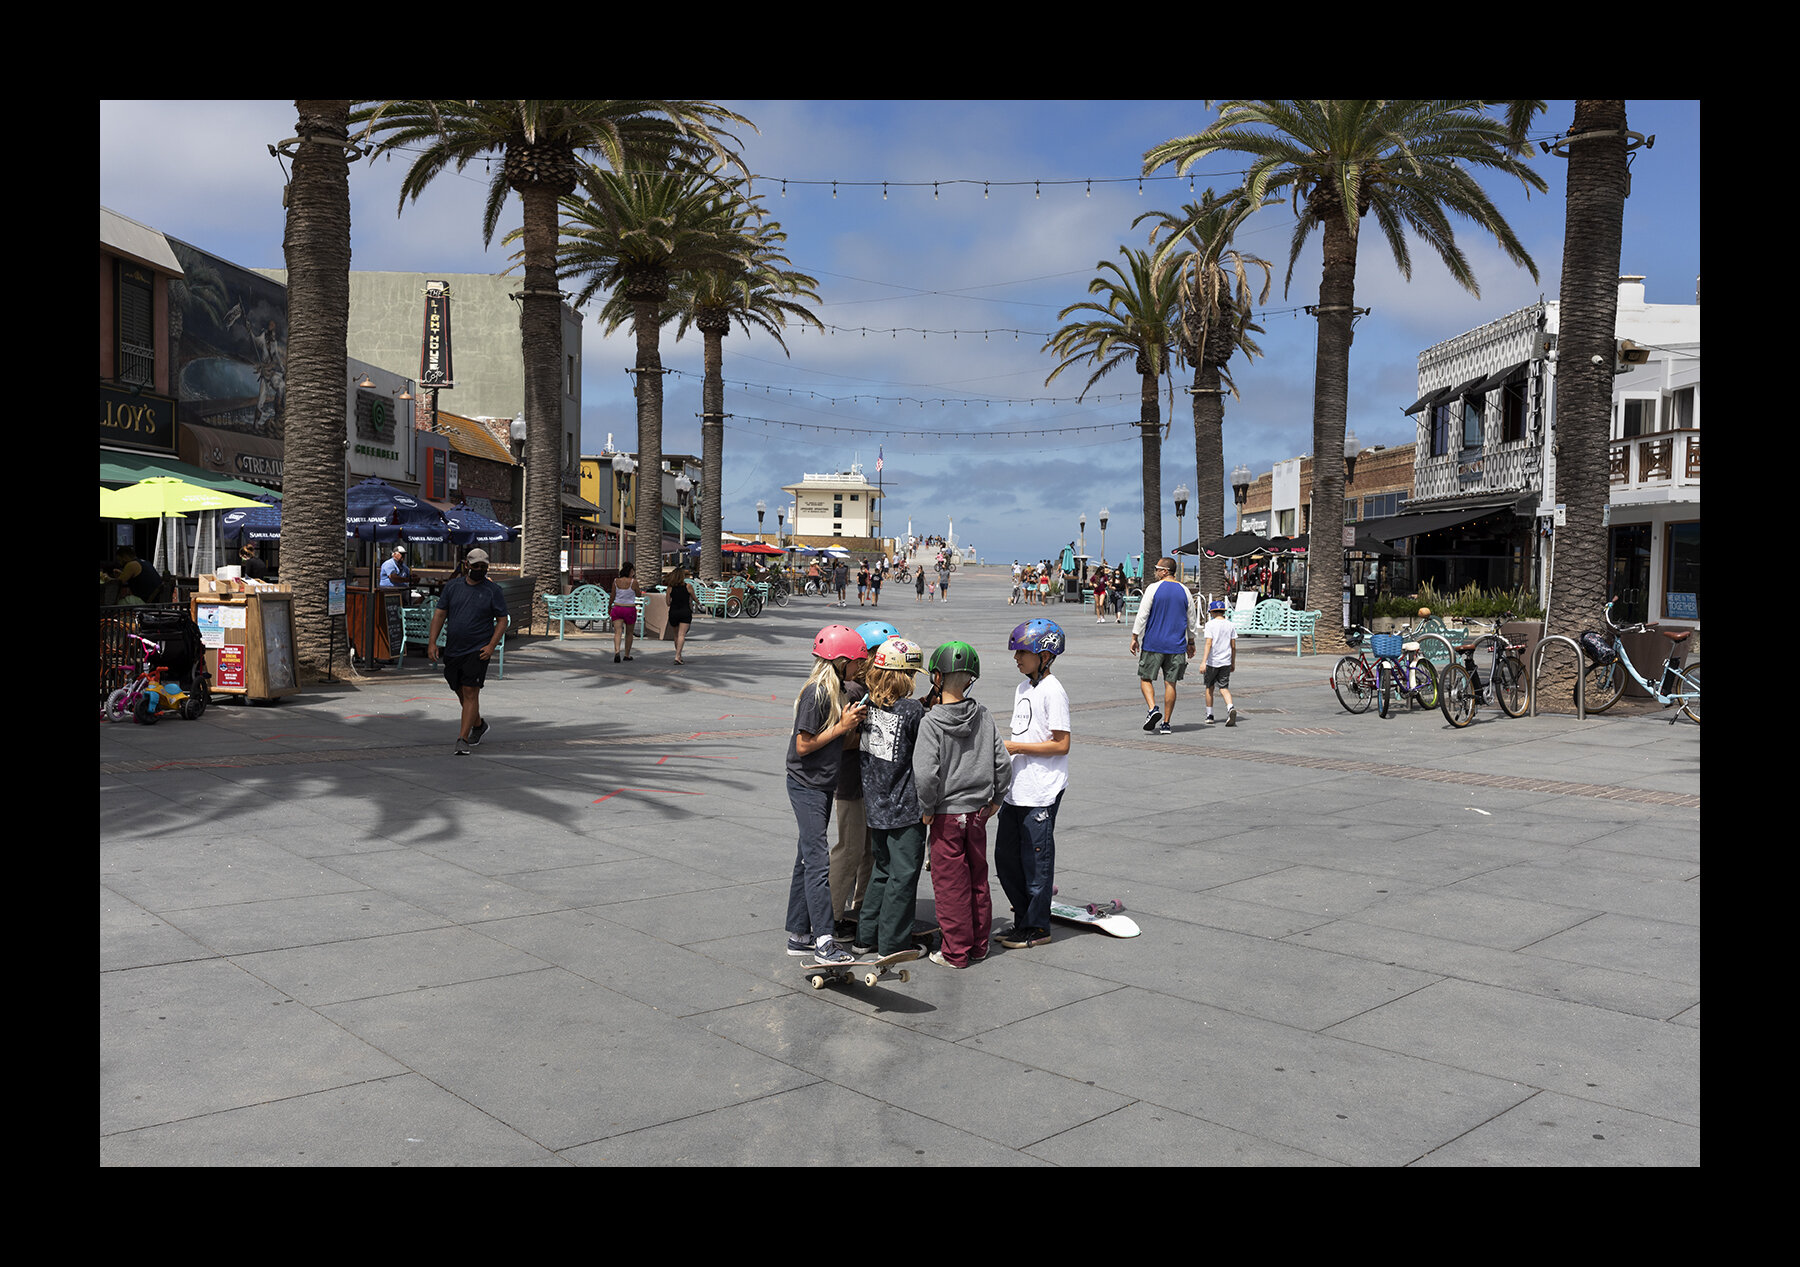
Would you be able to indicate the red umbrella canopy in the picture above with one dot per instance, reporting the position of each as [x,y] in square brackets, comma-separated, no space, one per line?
[750,547]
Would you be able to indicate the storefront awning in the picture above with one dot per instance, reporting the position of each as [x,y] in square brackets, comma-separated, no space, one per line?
[1394,528]
[1427,400]
[573,505]
[1499,376]
[120,467]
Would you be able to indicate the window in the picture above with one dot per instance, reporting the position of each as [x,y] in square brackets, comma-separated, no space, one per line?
[1681,572]
[1636,417]
[1514,396]
[855,496]
[1681,414]
[1440,429]
[1383,505]
[1350,510]
[1471,421]
[137,327]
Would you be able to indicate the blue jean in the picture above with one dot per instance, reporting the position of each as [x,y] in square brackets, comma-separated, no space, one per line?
[809,897]
[1025,860]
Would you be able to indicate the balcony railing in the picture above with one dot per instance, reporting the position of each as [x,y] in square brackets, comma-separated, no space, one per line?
[1667,459]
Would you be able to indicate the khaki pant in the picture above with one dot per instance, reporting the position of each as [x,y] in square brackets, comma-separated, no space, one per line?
[852,859]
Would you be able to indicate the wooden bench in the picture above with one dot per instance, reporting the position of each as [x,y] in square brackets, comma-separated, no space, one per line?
[584,602]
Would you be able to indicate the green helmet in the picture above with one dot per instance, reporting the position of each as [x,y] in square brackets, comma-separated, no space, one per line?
[956,657]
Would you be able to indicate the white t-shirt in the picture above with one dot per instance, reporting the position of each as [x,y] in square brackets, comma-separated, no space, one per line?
[1038,710]
[1224,639]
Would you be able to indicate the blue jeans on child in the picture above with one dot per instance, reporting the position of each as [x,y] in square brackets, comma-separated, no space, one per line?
[809,897]
[1025,859]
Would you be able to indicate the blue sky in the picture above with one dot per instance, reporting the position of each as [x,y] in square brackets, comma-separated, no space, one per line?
[993,261]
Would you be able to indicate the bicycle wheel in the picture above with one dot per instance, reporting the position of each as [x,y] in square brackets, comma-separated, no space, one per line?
[1511,687]
[1351,683]
[734,606]
[1602,685]
[753,604]
[116,707]
[1385,686]
[1424,691]
[780,595]
[1692,706]
[1456,696]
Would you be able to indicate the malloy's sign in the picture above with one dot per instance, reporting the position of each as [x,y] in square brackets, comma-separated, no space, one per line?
[434,348]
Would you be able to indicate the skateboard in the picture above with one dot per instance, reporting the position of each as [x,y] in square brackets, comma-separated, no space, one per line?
[869,971]
[1102,915]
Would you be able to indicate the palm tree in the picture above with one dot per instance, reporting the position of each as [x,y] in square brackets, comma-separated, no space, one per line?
[1213,289]
[761,295]
[1408,162]
[635,234]
[541,145]
[1592,237]
[316,245]
[1139,322]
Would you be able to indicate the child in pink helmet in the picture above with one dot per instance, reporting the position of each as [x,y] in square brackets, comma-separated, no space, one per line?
[824,725]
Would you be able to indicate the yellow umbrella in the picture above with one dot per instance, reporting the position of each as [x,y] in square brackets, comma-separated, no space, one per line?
[165,495]
[108,507]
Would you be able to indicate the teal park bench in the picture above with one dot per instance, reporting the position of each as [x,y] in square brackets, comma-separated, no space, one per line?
[583,603]
[1273,618]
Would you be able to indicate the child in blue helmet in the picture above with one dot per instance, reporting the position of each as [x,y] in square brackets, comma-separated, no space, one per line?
[1025,845]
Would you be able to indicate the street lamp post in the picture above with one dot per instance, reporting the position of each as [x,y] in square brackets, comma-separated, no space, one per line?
[622,467]
[1103,514]
[761,506]
[1352,448]
[684,488]
[1181,501]
[780,522]
[1240,490]
[1084,532]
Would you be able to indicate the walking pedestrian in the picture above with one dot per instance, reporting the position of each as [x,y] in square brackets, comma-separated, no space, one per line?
[471,614]
[1162,637]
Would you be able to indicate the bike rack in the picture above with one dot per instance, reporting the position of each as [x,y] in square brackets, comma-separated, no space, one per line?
[1449,651]
[1537,665]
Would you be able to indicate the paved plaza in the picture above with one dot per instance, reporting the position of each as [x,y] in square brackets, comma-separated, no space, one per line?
[327,941]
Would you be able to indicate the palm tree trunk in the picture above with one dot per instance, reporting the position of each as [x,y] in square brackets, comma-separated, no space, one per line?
[1209,471]
[712,449]
[1331,408]
[317,250]
[540,335]
[1592,237]
[1150,425]
[647,549]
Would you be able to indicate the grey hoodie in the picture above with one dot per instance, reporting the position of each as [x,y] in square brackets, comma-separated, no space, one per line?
[960,762]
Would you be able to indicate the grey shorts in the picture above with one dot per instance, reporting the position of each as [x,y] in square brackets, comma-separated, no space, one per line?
[1218,675]
[1173,666]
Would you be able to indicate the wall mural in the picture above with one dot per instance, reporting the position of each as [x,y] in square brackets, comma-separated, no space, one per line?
[228,327]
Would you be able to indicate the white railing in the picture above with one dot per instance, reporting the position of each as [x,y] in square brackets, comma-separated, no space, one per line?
[1664,459]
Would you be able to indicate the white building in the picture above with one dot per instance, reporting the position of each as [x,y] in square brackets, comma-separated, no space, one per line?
[840,504]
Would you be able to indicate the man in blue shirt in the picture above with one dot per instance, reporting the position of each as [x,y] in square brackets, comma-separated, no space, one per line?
[471,613]
[1162,638]
[394,571]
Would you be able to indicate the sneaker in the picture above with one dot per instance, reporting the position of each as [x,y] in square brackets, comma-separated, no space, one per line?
[1211,720]
[1231,718]
[1024,937]
[1165,729]
[937,957]
[462,747]
[829,952]
[1151,718]
[476,735]
[844,929]
[859,947]
[800,945]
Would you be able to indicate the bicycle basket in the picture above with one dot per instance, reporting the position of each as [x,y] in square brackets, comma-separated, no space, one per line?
[1386,645]
[1599,649]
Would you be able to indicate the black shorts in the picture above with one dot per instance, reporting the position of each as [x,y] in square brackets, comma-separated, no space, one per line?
[465,670]
[1218,675]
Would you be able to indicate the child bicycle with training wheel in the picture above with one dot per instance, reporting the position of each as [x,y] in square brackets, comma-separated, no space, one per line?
[1603,681]
[146,698]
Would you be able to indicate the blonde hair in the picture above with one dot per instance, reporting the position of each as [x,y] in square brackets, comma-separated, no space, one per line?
[887,686]
[825,676]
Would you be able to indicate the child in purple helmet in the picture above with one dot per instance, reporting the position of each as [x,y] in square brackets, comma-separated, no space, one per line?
[1025,845]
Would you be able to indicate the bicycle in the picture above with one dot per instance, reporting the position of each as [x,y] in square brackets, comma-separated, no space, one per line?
[1604,678]
[779,589]
[1397,670]
[1461,686]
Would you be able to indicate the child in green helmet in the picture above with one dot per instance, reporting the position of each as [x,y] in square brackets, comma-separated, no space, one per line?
[961,771]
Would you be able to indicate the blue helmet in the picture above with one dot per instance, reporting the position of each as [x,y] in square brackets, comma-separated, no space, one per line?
[1042,636]
[876,632]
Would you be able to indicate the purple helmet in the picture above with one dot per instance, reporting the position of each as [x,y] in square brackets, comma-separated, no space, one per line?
[1042,636]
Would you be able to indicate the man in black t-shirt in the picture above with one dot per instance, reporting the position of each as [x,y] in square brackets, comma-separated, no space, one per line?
[471,613]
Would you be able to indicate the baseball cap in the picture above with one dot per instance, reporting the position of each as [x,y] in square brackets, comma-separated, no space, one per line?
[476,556]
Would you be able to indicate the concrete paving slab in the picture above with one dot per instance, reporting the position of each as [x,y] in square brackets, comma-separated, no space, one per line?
[397,1121]
[1145,1134]
[1559,1130]
[1463,915]
[366,967]
[133,937]
[1624,1061]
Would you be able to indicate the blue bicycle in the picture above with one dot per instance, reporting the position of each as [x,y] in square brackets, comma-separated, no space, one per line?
[1604,678]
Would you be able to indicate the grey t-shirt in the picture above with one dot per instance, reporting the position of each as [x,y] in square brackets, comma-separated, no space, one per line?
[818,768]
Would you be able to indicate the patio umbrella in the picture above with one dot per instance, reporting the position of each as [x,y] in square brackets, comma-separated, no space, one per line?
[471,526]
[165,495]
[376,510]
[108,508]
[753,547]
[1239,545]
[1289,545]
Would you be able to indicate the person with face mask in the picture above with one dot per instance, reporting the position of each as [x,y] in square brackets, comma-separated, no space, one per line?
[471,613]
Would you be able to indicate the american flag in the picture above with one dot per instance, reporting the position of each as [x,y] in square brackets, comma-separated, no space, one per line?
[878,453]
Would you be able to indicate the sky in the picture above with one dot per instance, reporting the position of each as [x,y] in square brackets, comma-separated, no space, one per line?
[938,302]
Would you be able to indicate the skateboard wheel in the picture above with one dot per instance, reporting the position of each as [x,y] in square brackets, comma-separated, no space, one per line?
[870,978]
[905,976]
[1093,909]
[818,981]
[1118,906]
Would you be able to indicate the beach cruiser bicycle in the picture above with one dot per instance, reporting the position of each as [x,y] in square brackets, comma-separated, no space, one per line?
[1397,672]
[1604,678]
[1461,687]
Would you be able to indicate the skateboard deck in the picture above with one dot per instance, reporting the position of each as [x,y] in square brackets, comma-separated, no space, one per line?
[1102,915]
[868,971]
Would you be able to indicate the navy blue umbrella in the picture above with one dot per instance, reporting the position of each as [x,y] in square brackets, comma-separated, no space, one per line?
[376,510]
[468,527]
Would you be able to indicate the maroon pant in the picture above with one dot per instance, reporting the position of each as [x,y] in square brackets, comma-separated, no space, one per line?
[959,882]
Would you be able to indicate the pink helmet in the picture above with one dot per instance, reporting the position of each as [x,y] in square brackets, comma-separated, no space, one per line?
[840,641]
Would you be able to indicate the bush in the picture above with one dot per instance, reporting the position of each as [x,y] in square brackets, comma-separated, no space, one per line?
[1470,601]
